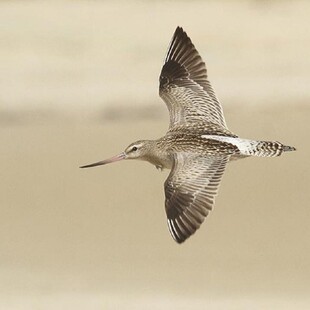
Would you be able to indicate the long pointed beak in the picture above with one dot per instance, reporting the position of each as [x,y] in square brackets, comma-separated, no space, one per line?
[107,161]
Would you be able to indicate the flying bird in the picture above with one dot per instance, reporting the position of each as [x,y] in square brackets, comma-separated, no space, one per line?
[198,144]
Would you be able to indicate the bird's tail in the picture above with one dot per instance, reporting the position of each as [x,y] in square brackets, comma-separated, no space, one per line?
[248,147]
[263,148]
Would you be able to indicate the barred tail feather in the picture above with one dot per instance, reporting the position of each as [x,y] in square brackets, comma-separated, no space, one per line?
[269,149]
[255,148]
[287,148]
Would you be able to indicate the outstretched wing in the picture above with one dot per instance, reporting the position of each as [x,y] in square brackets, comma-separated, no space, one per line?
[190,190]
[184,86]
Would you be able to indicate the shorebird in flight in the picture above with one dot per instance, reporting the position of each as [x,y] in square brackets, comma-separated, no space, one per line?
[198,144]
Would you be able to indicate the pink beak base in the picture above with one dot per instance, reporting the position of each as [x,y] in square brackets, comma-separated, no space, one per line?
[107,161]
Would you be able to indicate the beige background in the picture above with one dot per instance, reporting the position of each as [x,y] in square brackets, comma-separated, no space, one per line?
[79,82]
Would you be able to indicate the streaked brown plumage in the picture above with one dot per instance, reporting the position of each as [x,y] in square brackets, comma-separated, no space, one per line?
[198,144]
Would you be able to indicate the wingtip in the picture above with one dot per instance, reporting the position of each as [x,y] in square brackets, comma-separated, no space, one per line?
[180,241]
[177,238]
[179,31]
[289,148]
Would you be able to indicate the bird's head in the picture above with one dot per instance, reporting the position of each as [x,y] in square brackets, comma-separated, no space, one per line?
[137,150]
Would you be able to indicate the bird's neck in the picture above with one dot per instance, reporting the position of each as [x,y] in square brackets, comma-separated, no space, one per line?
[158,155]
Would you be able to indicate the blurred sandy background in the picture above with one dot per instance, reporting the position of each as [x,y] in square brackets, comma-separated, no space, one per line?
[78,83]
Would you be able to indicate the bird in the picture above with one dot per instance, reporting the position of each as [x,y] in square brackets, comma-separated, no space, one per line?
[198,144]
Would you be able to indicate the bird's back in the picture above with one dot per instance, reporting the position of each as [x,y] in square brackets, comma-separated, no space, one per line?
[190,138]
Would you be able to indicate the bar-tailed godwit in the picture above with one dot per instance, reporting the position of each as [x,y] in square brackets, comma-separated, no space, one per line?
[198,144]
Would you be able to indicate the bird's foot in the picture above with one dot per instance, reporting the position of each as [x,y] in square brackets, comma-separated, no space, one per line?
[159,167]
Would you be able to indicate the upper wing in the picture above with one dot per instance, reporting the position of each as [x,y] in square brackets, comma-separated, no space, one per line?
[184,85]
[190,190]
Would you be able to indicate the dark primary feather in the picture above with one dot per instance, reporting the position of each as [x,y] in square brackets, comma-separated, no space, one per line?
[190,190]
[184,85]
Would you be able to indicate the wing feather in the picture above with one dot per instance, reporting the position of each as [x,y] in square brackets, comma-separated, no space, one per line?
[190,190]
[184,85]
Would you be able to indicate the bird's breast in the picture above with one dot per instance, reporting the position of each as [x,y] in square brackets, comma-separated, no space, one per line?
[160,158]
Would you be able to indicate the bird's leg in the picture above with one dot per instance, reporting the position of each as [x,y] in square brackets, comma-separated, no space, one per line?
[159,167]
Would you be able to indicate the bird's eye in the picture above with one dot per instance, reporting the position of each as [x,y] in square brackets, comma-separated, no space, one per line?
[134,149]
